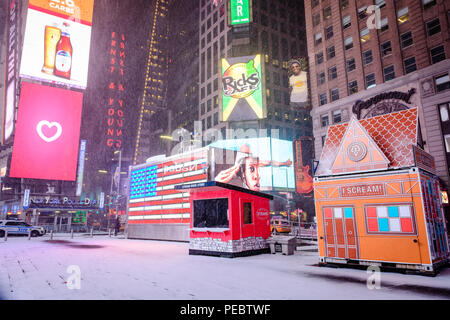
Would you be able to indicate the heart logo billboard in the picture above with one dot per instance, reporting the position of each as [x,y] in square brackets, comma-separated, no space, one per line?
[47,133]
[50,125]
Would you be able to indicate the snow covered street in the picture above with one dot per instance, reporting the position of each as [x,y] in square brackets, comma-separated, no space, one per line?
[118,268]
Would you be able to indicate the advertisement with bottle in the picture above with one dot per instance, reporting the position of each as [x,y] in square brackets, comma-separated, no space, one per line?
[57,41]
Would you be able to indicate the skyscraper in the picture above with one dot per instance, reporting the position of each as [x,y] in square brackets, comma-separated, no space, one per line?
[373,57]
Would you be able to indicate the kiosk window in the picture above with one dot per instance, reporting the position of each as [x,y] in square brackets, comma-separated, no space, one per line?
[211,213]
[247,212]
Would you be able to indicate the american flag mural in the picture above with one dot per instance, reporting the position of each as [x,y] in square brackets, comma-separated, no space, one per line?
[153,198]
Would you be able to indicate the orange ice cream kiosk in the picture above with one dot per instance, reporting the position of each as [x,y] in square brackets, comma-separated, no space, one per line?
[377,196]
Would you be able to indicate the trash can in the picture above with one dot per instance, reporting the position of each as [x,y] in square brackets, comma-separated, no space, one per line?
[282,244]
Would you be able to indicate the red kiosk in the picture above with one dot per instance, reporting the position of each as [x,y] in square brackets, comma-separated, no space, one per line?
[227,221]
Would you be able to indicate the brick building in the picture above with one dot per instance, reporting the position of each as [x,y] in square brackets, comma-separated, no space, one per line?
[370,57]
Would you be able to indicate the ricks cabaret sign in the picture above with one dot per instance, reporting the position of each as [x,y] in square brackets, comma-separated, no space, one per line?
[62,203]
[242,89]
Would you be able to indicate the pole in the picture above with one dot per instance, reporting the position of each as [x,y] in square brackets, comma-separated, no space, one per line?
[118,184]
[6,235]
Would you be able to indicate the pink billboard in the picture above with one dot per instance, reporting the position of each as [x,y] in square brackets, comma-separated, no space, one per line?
[47,133]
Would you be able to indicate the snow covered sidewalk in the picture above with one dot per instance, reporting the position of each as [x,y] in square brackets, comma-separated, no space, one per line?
[105,267]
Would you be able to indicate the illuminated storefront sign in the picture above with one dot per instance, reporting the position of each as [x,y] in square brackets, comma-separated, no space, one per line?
[240,12]
[47,133]
[242,95]
[116,91]
[11,72]
[57,41]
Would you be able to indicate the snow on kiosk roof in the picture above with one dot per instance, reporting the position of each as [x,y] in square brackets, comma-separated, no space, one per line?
[393,135]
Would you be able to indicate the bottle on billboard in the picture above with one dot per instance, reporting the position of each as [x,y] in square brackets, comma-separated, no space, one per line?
[63,59]
[51,37]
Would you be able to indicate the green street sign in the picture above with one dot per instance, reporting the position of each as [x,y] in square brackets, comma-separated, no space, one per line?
[239,12]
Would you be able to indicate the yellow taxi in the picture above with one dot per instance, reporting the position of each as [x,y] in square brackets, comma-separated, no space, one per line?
[280,225]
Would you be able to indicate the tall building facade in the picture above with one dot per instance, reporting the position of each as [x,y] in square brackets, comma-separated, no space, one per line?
[153,102]
[277,32]
[370,57]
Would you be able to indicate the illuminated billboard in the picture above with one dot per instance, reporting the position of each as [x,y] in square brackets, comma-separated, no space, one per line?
[239,12]
[298,83]
[257,164]
[57,41]
[47,133]
[243,87]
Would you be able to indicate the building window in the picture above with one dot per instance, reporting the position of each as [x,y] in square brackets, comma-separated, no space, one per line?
[402,15]
[326,13]
[346,22]
[348,43]
[389,73]
[332,73]
[323,140]
[334,94]
[202,109]
[444,112]
[316,19]
[367,57]
[337,116]
[352,87]
[318,38]
[320,78]
[208,122]
[442,82]
[329,32]
[324,120]
[314,3]
[344,4]
[330,53]
[389,219]
[384,24]
[216,118]
[406,39]
[362,12]
[322,99]
[364,35]
[380,3]
[437,54]
[433,27]
[319,58]
[410,65]
[428,3]
[386,48]
[351,64]
[370,81]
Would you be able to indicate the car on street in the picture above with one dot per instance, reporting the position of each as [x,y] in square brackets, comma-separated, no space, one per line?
[280,225]
[20,228]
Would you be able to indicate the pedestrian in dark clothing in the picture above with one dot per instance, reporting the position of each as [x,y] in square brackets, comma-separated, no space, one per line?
[117,226]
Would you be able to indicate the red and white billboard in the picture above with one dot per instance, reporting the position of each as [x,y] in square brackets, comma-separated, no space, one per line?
[47,133]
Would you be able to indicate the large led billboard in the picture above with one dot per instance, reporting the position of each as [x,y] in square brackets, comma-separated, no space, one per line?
[242,95]
[257,164]
[298,83]
[239,12]
[47,133]
[57,41]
